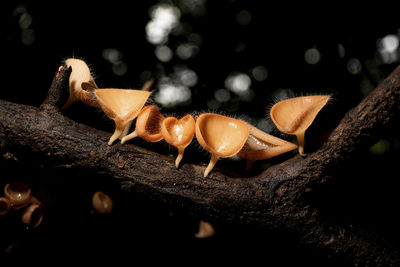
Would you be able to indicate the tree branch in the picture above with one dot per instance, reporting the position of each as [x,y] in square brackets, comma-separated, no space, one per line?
[274,198]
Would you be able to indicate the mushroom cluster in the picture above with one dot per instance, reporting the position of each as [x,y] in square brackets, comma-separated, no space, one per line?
[18,200]
[221,136]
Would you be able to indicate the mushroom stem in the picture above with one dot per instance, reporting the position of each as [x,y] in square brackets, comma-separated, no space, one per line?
[181,150]
[126,130]
[129,137]
[300,141]
[211,165]
[117,133]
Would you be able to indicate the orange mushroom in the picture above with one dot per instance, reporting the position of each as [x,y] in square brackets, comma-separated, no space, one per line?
[178,133]
[122,106]
[80,73]
[295,115]
[222,136]
[261,145]
[148,125]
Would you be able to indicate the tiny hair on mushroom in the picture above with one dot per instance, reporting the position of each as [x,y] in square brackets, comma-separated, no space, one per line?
[294,115]
[80,74]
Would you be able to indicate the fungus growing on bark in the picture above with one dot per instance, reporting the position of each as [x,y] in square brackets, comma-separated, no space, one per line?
[148,125]
[261,145]
[178,133]
[222,136]
[295,115]
[122,106]
[80,74]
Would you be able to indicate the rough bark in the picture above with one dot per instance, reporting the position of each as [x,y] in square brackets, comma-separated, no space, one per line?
[272,199]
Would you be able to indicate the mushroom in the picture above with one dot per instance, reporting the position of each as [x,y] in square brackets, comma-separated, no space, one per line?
[295,115]
[80,73]
[18,193]
[178,133]
[122,106]
[148,125]
[102,203]
[33,215]
[222,136]
[4,206]
[206,230]
[261,145]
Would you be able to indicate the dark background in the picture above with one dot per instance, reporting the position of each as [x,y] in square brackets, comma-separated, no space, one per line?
[230,37]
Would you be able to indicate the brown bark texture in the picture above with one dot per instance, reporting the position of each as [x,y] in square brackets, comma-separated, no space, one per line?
[272,199]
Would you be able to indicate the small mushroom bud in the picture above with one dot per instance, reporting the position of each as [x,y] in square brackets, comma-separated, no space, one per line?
[102,203]
[178,133]
[295,115]
[222,136]
[148,125]
[80,74]
[122,106]
[33,215]
[18,193]
[4,206]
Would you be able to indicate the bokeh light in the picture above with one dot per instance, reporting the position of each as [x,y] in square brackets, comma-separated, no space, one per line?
[354,66]
[164,18]
[239,83]
[312,56]
[171,94]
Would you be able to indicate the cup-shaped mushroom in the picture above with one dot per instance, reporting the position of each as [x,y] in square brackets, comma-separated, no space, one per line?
[18,193]
[148,125]
[295,115]
[102,203]
[261,145]
[122,106]
[222,136]
[178,133]
[4,206]
[80,73]
[33,215]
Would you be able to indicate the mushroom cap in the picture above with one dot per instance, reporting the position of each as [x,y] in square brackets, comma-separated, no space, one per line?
[148,124]
[220,135]
[80,73]
[295,115]
[261,145]
[178,133]
[121,104]
[33,215]
[18,193]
